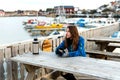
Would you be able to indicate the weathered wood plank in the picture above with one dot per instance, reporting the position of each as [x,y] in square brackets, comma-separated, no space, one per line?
[54,44]
[60,39]
[15,51]
[22,71]
[116,45]
[104,39]
[2,77]
[30,46]
[41,72]
[107,54]
[57,42]
[8,62]
[52,75]
[111,47]
[21,48]
[31,71]
[76,65]
[27,47]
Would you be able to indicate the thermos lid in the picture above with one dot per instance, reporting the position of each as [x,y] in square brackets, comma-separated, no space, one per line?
[35,39]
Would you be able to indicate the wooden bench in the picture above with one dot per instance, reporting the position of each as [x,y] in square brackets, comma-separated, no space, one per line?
[111,47]
[101,54]
[103,43]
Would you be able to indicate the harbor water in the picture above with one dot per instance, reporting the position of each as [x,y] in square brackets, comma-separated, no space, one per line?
[12,29]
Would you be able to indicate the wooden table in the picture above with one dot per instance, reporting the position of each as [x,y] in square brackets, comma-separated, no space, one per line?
[76,65]
[102,42]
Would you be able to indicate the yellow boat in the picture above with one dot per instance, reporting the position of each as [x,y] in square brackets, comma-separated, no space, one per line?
[49,26]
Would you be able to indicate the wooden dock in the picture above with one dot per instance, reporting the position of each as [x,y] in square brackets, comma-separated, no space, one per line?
[12,70]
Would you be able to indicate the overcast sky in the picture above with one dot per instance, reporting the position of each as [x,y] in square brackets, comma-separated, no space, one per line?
[11,5]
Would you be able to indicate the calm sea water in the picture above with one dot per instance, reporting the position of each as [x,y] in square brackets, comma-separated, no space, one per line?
[12,30]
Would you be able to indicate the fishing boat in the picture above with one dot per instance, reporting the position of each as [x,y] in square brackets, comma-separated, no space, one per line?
[30,24]
[49,26]
[30,21]
[56,23]
[100,22]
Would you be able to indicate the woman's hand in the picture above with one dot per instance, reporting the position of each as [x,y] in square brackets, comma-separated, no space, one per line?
[65,54]
[62,52]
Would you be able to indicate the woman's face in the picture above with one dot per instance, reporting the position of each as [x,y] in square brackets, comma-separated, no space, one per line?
[68,34]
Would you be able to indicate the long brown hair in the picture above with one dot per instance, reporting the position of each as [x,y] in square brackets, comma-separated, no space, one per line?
[74,35]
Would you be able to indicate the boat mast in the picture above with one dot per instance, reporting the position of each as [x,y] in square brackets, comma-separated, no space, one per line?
[37,17]
[61,14]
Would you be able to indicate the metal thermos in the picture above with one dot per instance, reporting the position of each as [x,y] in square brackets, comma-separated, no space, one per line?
[35,46]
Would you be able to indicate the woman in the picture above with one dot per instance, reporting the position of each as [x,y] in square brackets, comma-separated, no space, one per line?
[72,46]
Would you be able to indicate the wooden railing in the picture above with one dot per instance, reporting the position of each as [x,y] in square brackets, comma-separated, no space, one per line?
[15,71]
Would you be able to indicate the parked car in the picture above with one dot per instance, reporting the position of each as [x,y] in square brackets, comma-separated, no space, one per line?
[115,35]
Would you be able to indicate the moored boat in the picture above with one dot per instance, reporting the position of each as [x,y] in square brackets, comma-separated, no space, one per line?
[49,26]
[30,21]
[30,24]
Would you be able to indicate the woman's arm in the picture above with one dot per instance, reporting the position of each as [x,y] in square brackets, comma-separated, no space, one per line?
[61,45]
[60,49]
[80,50]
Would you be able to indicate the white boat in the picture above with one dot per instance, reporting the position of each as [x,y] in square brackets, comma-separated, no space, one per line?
[30,21]
[94,23]
[100,22]
[110,21]
[30,24]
